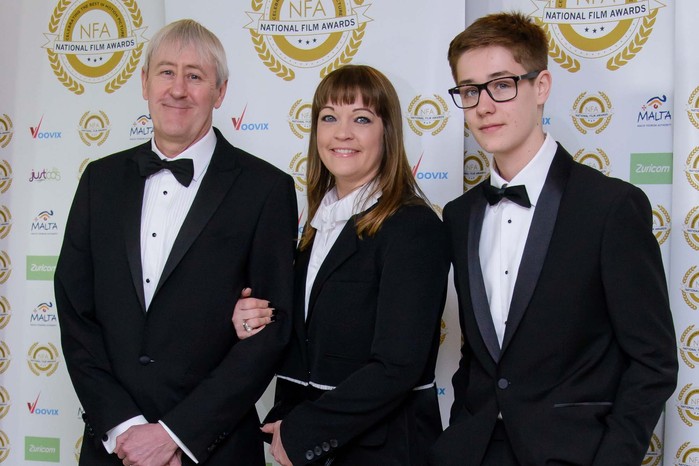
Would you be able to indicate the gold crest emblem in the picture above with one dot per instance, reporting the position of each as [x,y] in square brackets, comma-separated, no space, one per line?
[4,446]
[78,447]
[476,168]
[5,176]
[43,359]
[5,357]
[688,405]
[661,224]
[614,31]
[597,160]
[5,312]
[298,171]
[6,131]
[428,115]
[691,168]
[655,452]
[4,402]
[295,34]
[300,119]
[693,107]
[687,454]
[592,112]
[93,41]
[94,128]
[690,290]
[690,228]
[689,347]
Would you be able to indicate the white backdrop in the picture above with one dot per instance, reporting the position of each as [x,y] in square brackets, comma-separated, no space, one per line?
[625,98]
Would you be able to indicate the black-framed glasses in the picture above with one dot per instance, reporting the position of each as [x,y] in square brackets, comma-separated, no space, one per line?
[499,89]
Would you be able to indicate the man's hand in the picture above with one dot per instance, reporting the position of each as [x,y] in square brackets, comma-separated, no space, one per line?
[147,445]
[277,449]
[251,315]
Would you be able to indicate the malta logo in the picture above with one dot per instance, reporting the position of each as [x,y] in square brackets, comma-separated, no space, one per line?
[4,402]
[692,107]
[43,359]
[297,166]
[691,168]
[690,228]
[300,119]
[94,128]
[476,168]
[428,115]
[688,405]
[687,454]
[596,29]
[597,160]
[295,34]
[5,357]
[592,112]
[5,312]
[690,291]
[661,224]
[689,347]
[655,452]
[94,41]
[6,131]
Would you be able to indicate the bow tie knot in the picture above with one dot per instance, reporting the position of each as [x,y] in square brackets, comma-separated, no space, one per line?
[181,169]
[517,194]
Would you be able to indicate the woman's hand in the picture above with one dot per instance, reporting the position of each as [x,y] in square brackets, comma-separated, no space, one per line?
[251,315]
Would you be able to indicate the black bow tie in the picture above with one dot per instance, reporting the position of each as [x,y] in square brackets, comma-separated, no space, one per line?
[517,194]
[182,169]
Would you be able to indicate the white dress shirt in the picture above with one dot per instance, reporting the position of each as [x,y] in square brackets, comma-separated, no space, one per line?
[165,205]
[504,234]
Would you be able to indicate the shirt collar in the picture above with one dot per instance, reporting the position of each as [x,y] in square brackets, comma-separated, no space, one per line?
[333,210]
[533,175]
[200,152]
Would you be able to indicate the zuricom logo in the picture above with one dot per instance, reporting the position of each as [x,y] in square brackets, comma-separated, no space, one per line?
[38,134]
[42,449]
[240,126]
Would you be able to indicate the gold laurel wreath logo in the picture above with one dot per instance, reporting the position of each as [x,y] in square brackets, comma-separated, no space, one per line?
[5,312]
[116,83]
[442,332]
[684,339]
[636,44]
[78,447]
[654,453]
[4,446]
[5,140]
[442,124]
[685,294]
[695,121]
[663,217]
[269,60]
[101,138]
[607,119]
[556,52]
[350,51]
[691,238]
[5,357]
[43,366]
[4,402]
[692,177]
[292,113]
[82,167]
[684,413]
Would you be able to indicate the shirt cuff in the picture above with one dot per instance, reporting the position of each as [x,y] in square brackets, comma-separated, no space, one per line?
[112,434]
[179,442]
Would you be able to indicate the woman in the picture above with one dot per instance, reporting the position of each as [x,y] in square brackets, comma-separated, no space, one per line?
[357,384]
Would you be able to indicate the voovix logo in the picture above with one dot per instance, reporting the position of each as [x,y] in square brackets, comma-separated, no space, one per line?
[33,409]
[428,175]
[38,134]
[240,126]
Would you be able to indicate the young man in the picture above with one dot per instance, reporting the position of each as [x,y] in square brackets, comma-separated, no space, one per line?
[569,348]
[160,241]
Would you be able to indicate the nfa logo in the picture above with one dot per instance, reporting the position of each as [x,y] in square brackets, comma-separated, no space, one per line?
[4,402]
[5,267]
[297,34]
[476,168]
[44,174]
[5,357]
[652,113]
[94,128]
[690,228]
[78,447]
[5,176]
[142,128]
[297,166]
[38,134]
[82,167]
[428,175]
[43,359]
[596,29]
[43,224]
[690,291]
[300,118]
[687,455]
[4,446]
[238,124]
[35,410]
[442,332]
[597,160]
[689,346]
[6,131]
[688,404]
[44,315]
[661,224]
[691,168]
[693,107]
[655,452]
[95,41]
[5,312]
[5,222]
[592,112]
[428,115]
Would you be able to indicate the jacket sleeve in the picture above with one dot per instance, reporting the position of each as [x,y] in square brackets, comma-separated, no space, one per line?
[637,300]
[411,296]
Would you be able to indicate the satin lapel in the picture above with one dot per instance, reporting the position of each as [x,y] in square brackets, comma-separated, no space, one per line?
[299,318]
[217,181]
[133,205]
[538,241]
[344,247]
[479,298]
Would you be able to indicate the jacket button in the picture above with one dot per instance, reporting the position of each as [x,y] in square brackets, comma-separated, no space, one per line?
[503,383]
[318,451]
[325,446]
[310,455]
[333,443]
[144,360]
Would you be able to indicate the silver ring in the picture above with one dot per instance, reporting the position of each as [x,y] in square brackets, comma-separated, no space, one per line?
[246,326]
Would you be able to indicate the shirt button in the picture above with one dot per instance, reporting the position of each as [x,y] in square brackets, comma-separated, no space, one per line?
[147,280]
[509,221]
[333,443]
[165,193]
[503,383]
[154,235]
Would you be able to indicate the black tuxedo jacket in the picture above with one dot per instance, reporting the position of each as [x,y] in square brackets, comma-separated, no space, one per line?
[181,361]
[588,358]
[373,333]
